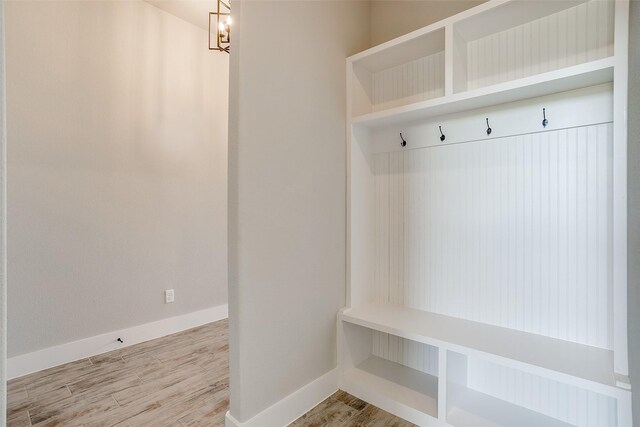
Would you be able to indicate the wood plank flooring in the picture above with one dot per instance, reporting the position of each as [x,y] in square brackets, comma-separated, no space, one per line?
[343,410]
[179,380]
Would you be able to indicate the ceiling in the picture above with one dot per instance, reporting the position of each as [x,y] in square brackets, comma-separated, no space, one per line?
[193,11]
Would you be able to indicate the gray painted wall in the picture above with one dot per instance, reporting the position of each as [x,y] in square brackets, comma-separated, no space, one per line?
[634,206]
[287,192]
[117,144]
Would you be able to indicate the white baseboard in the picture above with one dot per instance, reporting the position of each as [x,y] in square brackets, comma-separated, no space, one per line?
[293,406]
[24,364]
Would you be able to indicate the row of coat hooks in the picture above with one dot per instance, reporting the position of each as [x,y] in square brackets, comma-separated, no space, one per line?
[545,122]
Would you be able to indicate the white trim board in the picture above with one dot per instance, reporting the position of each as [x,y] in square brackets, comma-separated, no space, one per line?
[292,407]
[86,347]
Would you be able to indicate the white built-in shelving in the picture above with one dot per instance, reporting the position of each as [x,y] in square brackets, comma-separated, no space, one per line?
[487,270]
[587,366]
[575,77]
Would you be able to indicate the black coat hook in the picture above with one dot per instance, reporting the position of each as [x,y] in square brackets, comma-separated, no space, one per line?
[545,122]
[442,137]
[403,143]
[488,127]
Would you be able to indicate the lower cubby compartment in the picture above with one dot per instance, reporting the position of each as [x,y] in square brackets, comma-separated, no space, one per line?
[392,373]
[472,408]
[484,394]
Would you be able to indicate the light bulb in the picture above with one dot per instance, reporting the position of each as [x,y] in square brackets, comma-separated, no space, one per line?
[221,27]
[228,20]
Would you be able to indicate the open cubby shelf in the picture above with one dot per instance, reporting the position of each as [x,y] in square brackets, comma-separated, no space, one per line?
[413,388]
[471,402]
[475,409]
[387,378]
[486,280]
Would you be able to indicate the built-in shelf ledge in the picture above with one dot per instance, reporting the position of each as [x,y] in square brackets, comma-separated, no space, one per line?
[384,383]
[581,365]
[562,80]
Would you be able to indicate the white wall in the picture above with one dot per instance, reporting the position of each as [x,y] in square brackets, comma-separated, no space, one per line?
[194,11]
[287,192]
[394,18]
[117,123]
[634,206]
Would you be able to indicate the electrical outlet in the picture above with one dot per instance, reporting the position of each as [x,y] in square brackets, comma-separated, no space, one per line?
[168,296]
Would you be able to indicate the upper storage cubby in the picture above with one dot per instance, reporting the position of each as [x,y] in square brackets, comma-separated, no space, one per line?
[399,74]
[517,39]
[498,52]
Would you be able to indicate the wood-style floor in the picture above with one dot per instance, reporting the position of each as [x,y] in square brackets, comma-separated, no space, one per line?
[343,410]
[179,380]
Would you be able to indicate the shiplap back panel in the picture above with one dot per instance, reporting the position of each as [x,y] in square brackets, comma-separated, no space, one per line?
[577,35]
[413,81]
[567,403]
[416,355]
[512,231]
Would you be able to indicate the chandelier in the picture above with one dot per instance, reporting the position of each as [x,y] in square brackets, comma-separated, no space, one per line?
[220,28]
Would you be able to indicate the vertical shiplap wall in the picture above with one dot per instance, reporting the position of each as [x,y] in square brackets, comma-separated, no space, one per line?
[570,404]
[510,231]
[580,34]
[410,82]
